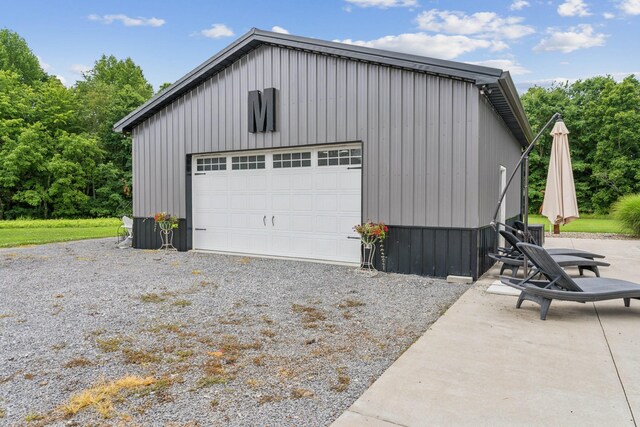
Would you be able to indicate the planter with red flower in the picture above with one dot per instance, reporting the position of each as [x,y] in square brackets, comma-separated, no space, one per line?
[167,224]
[370,234]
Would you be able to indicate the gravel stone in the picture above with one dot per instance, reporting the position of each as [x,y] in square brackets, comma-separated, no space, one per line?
[237,341]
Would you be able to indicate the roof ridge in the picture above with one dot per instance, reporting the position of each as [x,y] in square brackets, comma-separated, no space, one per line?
[497,79]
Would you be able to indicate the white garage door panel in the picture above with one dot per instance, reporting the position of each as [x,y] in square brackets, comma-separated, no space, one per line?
[348,246]
[348,183]
[349,203]
[346,224]
[281,203]
[300,222]
[302,203]
[302,212]
[302,182]
[219,220]
[325,202]
[325,181]
[214,202]
[280,182]
[218,183]
[326,224]
[210,240]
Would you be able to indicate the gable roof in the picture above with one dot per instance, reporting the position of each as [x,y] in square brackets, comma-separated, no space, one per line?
[500,89]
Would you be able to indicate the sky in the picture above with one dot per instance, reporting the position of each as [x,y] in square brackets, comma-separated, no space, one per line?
[538,41]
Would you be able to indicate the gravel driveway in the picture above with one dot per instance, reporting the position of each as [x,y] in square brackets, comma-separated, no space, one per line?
[92,334]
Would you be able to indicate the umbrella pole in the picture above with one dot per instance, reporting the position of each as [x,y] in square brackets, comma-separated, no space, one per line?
[524,163]
[525,156]
[525,215]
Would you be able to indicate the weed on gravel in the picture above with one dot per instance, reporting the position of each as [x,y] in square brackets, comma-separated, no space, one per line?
[342,382]
[152,298]
[78,362]
[110,345]
[103,395]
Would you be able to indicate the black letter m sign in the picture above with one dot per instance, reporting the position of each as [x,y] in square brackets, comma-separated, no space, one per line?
[262,111]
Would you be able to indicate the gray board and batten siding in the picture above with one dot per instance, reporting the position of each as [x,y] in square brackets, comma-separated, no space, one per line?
[432,144]
[419,133]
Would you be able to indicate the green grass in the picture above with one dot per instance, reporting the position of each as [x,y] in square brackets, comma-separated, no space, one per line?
[584,224]
[36,232]
[61,223]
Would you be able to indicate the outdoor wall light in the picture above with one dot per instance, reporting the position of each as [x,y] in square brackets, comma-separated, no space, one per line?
[485,90]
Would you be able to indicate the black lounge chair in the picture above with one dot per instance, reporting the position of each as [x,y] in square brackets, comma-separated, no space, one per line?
[513,259]
[562,287]
[519,226]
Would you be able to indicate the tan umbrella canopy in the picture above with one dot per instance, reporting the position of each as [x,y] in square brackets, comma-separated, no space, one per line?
[560,204]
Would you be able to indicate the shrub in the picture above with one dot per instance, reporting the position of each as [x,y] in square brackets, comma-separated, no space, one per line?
[627,211]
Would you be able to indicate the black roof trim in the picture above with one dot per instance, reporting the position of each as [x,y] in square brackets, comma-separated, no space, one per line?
[504,96]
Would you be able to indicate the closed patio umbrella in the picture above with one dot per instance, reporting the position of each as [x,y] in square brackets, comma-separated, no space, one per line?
[560,204]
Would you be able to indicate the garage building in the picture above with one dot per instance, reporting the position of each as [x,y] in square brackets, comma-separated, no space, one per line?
[278,145]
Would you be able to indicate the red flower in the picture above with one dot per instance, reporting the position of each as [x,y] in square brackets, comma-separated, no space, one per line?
[386,228]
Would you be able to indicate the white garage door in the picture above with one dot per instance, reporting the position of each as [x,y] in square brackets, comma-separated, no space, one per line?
[300,203]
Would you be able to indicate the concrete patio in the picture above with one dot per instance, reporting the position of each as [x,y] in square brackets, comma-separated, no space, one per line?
[486,363]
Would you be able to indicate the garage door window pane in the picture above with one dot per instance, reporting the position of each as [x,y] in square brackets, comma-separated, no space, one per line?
[342,157]
[247,162]
[211,164]
[292,160]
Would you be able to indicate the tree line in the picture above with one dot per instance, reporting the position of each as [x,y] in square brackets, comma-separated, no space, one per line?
[603,118]
[59,157]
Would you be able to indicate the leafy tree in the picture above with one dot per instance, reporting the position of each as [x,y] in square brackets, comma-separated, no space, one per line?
[110,91]
[604,123]
[617,155]
[16,56]
[540,104]
[58,154]
[24,171]
[163,87]
[72,169]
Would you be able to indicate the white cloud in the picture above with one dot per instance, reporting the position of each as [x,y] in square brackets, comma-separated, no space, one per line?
[524,85]
[79,69]
[62,80]
[437,46]
[573,8]
[217,31]
[128,21]
[278,29]
[519,4]
[608,15]
[630,7]
[558,81]
[580,37]
[46,67]
[382,4]
[504,64]
[621,75]
[483,24]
